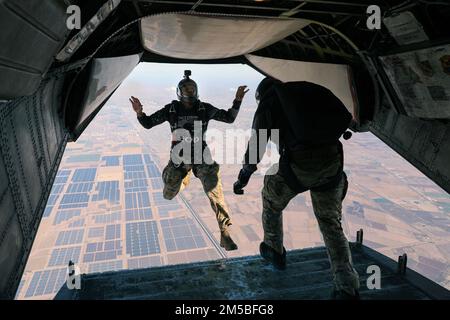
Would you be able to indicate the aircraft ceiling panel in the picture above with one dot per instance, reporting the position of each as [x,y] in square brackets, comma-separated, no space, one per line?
[187,36]
[31,33]
[335,77]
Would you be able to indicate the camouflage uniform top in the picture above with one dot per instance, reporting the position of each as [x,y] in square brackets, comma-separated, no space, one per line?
[185,117]
[267,116]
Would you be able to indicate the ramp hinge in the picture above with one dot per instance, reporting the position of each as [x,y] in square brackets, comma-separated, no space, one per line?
[359,236]
[402,261]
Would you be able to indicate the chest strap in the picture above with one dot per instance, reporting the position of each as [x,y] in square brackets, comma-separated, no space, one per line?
[173,116]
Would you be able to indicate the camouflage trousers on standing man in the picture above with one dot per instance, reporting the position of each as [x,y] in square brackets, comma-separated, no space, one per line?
[312,169]
[175,178]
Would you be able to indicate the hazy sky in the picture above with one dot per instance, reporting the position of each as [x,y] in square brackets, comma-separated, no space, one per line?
[170,74]
[158,81]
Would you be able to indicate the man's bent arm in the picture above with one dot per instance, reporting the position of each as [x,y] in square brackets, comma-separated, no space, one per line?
[154,119]
[227,116]
[258,141]
[255,149]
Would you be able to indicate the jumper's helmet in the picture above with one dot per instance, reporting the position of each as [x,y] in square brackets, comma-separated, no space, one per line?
[187,88]
[263,87]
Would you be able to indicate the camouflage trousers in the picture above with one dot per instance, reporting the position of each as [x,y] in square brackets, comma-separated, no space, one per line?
[327,205]
[175,178]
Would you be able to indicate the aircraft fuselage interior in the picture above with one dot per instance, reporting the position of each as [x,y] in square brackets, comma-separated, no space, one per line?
[60,62]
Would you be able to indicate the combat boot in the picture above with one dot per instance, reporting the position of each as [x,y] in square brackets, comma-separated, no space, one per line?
[269,254]
[226,242]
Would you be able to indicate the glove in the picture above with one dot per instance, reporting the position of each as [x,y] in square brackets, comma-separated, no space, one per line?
[243,178]
[238,187]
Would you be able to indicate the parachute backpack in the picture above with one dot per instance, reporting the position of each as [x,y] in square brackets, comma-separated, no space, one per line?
[315,115]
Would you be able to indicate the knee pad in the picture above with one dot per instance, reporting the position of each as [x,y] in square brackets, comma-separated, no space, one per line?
[169,195]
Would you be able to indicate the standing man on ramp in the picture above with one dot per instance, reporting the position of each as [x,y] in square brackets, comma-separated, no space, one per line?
[310,120]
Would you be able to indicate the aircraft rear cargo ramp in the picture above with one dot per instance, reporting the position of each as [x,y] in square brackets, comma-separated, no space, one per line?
[307,276]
